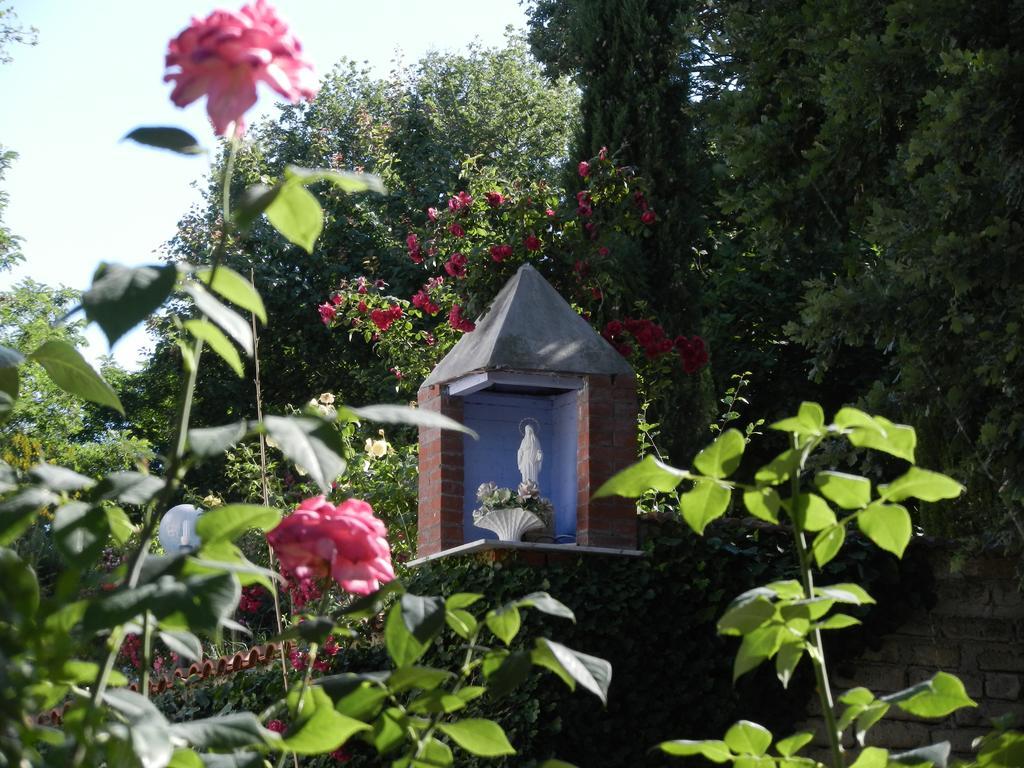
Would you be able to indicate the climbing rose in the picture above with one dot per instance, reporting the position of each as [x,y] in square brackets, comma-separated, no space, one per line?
[432,214]
[648,217]
[500,252]
[494,199]
[458,322]
[346,542]
[456,265]
[226,54]
[583,168]
[456,229]
[327,312]
[532,243]
[412,242]
[383,318]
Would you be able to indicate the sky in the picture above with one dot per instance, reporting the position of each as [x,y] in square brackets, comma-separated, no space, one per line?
[80,196]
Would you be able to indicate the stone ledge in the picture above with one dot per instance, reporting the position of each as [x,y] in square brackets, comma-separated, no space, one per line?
[492,545]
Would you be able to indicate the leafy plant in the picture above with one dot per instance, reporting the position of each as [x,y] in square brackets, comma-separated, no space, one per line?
[782,621]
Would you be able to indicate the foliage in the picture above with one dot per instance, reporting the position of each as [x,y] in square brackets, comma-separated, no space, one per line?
[637,72]
[783,621]
[871,167]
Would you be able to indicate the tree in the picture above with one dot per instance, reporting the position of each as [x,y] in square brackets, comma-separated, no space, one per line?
[873,217]
[413,128]
[633,66]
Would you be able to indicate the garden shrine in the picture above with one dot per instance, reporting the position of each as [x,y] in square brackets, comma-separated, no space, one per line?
[555,409]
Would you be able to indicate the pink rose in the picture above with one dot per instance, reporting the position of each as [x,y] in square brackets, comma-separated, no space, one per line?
[603,153]
[456,229]
[432,214]
[412,243]
[583,168]
[549,212]
[346,542]
[648,217]
[226,54]
[327,312]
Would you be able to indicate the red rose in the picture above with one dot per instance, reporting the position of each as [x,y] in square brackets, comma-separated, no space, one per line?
[583,168]
[500,252]
[327,312]
[494,199]
[648,217]
[456,229]
[532,242]
[456,265]
[458,322]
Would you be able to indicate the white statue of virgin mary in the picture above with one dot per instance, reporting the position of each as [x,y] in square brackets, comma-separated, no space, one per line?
[530,457]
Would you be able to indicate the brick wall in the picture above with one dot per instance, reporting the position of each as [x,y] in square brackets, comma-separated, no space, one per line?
[440,519]
[975,630]
[607,444]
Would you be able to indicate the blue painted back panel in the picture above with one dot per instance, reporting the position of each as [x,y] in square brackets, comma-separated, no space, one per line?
[496,418]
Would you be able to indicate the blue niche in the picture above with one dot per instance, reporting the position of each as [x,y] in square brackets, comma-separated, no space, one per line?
[498,418]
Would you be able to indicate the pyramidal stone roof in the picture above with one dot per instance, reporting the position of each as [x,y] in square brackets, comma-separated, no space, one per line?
[530,328]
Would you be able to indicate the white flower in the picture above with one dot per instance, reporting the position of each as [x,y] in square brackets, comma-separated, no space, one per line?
[327,398]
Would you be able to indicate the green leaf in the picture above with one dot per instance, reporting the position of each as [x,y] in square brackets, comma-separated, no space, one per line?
[150,731]
[462,600]
[921,484]
[853,418]
[1002,750]
[69,371]
[9,361]
[462,622]
[872,757]
[791,745]
[296,214]
[185,758]
[837,621]
[828,543]
[312,444]
[867,718]
[436,755]
[135,488]
[723,456]
[207,442]
[514,670]
[252,203]
[763,503]
[761,644]
[843,490]
[403,414]
[229,522]
[888,525]
[229,321]
[423,616]
[779,469]
[809,421]
[209,333]
[484,738]
[121,527]
[232,731]
[324,731]
[20,589]
[715,751]
[232,286]
[122,297]
[786,661]
[183,643]
[424,678]
[504,622]
[898,440]
[545,603]
[706,502]
[556,764]
[166,137]
[346,181]
[932,756]
[403,647]
[59,479]
[854,594]
[647,475]
[745,614]
[592,673]
[810,512]
[747,738]
[18,512]
[938,697]
[80,531]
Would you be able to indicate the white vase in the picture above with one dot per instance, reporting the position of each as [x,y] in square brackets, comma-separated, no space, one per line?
[509,523]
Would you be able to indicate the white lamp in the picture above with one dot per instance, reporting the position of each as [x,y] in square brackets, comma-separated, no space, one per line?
[178,529]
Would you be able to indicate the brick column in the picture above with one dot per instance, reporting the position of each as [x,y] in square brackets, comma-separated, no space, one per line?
[440,517]
[606,444]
